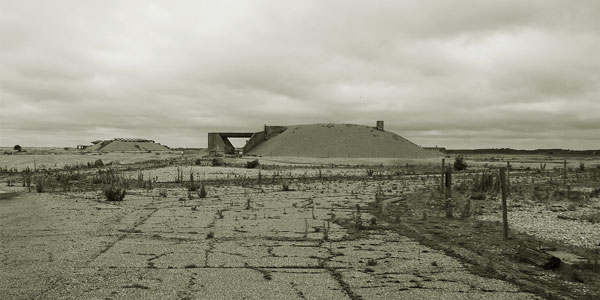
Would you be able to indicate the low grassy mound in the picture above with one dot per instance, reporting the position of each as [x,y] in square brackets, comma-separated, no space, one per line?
[339,140]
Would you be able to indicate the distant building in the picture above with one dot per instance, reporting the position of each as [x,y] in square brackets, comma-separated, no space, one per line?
[124,145]
[436,149]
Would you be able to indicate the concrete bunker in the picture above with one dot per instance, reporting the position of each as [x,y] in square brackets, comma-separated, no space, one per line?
[319,140]
[219,143]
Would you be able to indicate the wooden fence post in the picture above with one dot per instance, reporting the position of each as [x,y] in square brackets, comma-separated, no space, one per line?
[442,177]
[507,177]
[448,201]
[504,209]
[565,173]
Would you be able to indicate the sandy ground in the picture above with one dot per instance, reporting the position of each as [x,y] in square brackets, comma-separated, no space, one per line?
[48,161]
[76,246]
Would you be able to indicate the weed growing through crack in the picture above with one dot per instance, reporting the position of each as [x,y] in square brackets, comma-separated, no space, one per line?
[40,182]
[373,221]
[179,178]
[193,186]
[27,174]
[371,262]
[259,177]
[248,200]
[370,172]
[305,229]
[136,286]
[358,218]
[162,193]
[285,186]
[326,231]
[202,192]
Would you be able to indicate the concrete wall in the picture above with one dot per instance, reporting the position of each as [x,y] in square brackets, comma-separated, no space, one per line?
[229,148]
[216,145]
[256,139]
[272,131]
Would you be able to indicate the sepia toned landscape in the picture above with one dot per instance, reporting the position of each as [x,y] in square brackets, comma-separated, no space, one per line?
[265,149]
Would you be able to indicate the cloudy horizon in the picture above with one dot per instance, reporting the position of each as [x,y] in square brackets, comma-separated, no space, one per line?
[456,74]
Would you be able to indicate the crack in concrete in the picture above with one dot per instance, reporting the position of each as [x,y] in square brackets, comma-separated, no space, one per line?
[122,236]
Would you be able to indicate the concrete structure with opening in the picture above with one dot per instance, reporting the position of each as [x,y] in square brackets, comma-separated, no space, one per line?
[219,144]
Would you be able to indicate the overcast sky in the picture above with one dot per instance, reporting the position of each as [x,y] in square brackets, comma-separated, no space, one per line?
[459,74]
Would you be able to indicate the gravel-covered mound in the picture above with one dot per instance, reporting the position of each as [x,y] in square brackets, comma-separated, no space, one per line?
[121,146]
[338,140]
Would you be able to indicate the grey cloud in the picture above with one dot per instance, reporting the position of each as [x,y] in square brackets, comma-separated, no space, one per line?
[451,73]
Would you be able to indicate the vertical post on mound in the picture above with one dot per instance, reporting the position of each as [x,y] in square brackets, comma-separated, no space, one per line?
[504,209]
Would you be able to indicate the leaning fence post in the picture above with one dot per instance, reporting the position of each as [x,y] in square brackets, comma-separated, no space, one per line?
[504,209]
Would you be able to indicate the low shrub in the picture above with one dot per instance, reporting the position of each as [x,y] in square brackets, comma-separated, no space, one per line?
[478,196]
[373,221]
[162,193]
[572,274]
[252,164]
[459,163]
[114,192]
[591,217]
[99,163]
[371,262]
[217,161]
[285,186]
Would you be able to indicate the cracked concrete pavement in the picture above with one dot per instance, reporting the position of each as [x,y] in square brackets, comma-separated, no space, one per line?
[277,245]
